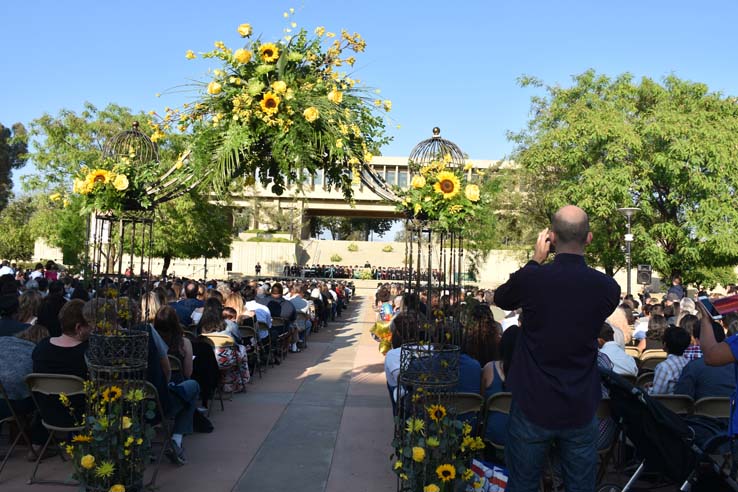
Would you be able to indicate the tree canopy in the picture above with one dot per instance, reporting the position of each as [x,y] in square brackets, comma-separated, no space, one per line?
[668,148]
[13,148]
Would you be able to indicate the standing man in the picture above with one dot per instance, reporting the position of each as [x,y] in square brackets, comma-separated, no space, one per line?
[553,377]
[257,268]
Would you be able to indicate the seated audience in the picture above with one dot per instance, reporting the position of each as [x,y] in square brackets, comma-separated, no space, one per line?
[691,323]
[667,373]
[622,363]
[232,358]
[493,382]
[655,335]
[9,306]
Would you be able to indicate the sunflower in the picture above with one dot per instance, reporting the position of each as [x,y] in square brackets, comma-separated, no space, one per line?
[98,176]
[105,469]
[446,472]
[270,103]
[82,438]
[436,412]
[447,184]
[472,192]
[111,394]
[269,52]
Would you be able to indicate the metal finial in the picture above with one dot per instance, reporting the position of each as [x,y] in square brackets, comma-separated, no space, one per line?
[135,125]
[436,132]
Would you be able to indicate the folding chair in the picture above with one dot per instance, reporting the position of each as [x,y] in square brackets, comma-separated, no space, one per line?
[499,402]
[218,389]
[50,386]
[11,420]
[302,319]
[175,364]
[266,343]
[634,352]
[462,403]
[650,363]
[225,341]
[713,406]
[645,379]
[282,341]
[679,404]
[254,355]
[165,424]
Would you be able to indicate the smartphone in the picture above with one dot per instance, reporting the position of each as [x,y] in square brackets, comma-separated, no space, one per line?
[710,308]
[551,247]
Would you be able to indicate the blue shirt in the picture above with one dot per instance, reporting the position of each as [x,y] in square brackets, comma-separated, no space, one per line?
[554,378]
[699,380]
[733,344]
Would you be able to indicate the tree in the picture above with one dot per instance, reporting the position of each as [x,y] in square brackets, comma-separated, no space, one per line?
[16,240]
[187,227]
[352,228]
[61,224]
[13,148]
[667,148]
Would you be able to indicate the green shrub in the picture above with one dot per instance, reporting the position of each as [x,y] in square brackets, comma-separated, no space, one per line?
[262,239]
[336,258]
[388,249]
[353,247]
[366,274]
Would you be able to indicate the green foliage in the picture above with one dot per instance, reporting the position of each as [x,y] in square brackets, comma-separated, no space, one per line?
[667,148]
[353,247]
[16,241]
[335,258]
[61,226]
[388,249]
[350,228]
[262,239]
[13,148]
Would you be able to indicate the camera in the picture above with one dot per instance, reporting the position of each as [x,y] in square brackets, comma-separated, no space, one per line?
[551,247]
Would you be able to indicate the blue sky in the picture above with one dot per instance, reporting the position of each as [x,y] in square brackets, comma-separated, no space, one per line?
[451,64]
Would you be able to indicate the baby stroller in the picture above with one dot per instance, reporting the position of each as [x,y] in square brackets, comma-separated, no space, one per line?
[665,443]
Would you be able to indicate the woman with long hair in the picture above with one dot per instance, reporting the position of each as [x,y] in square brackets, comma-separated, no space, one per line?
[493,381]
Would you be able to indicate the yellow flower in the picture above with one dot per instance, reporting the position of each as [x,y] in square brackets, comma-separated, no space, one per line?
[418,454]
[129,441]
[468,166]
[245,31]
[335,96]
[431,488]
[414,425]
[447,184]
[311,114]
[417,208]
[79,186]
[466,429]
[127,422]
[64,399]
[135,395]
[418,181]
[403,476]
[242,56]
[270,103]
[279,86]
[339,143]
[105,470]
[190,55]
[388,105]
[433,442]
[467,442]
[472,192]
[87,461]
[82,438]
[446,472]
[436,412]
[111,394]
[99,176]
[478,485]
[120,182]
[467,475]
[398,465]
[69,449]
[214,88]
[55,197]
[269,52]
[139,441]
[117,488]
[319,31]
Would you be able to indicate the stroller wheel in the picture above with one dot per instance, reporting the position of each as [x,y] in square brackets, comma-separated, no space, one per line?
[609,487]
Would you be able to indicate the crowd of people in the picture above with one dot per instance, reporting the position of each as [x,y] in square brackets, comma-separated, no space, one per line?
[367,271]
[47,318]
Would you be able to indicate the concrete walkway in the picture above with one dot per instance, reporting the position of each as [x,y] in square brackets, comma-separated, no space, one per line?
[321,421]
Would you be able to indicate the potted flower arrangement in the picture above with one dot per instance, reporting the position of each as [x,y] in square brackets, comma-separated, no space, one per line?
[113,452]
[283,109]
[435,452]
[440,193]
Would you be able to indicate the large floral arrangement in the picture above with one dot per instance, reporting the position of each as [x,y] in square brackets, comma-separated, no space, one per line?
[441,193]
[436,451]
[112,453]
[283,109]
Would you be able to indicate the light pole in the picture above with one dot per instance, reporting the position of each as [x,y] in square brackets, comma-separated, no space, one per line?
[629,212]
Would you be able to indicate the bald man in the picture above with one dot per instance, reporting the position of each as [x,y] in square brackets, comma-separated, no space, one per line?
[553,375]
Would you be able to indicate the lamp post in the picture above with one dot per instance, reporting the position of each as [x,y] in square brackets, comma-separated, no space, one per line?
[628,212]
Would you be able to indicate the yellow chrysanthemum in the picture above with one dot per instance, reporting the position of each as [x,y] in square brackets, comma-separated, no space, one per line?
[279,86]
[242,56]
[466,429]
[269,52]
[270,103]
[127,422]
[64,399]
[431,488]
[446,472]
[135,395]
[105,470]
[87,462]
[78,186]
[447,184]
[455,209]
[55,197]
[418,181]
[190,55]
[245,30]
[436,412]
[214,88]
[433,442]
[117,488]
[418,454]
[120,182]
[472,192]
[335,96]
[311,114]
[319,31]
[414,425]
[388,105]
[467,475]
[69,449]
[82,438]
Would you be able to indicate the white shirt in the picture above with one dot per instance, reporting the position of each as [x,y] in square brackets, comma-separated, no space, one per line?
[35,274]
[6,270]
[392,366]
[263,315]
[622,363]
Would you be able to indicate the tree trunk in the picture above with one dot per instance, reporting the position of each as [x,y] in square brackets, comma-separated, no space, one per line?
[609,271]
[165,266]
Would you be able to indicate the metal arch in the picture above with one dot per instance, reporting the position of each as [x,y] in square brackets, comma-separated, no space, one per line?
[375,183]
[433,149]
